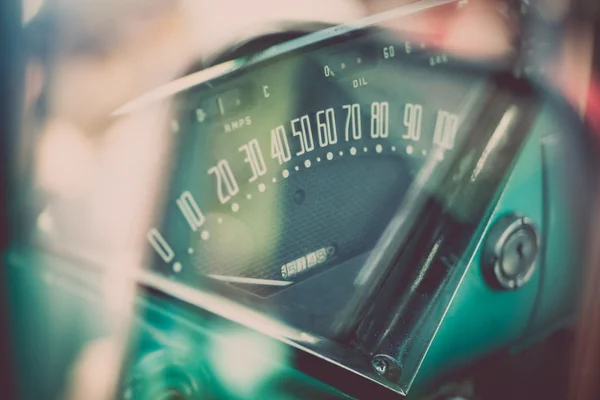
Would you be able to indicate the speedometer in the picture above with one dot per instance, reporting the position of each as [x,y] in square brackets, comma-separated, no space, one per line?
[294,168]
[334,177]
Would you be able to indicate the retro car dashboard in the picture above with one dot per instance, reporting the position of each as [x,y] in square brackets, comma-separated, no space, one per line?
[353,196]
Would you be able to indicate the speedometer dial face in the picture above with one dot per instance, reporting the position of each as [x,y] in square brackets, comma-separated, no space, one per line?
[287,171]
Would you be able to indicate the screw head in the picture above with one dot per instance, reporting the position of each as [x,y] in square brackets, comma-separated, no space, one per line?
[386,367]
[380,365]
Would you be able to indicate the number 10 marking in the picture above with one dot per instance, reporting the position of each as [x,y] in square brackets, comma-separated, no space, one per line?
[190,210]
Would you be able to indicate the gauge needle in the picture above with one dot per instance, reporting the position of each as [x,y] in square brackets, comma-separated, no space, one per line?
[249,281]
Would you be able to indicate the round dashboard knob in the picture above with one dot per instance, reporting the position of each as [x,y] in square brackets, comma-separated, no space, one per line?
[158,376]
[510,252]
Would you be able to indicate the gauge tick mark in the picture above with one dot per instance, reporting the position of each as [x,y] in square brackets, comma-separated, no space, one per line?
[205,235]
[177,267]
[262,187]
[330,156]
[285,173]
[235,207]
[353,151]
[379,148]
[307,163]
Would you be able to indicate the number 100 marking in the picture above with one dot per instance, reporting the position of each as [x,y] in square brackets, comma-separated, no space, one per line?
[446,127]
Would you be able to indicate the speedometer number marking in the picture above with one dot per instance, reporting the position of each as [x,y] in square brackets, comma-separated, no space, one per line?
[160,245]
[190,210]
[389,52]
[255,158]
[353,124]
[200,115]
[326,130]
[380,119]
[446,127]
[226,183]
[304,134]
[413,115]
[280,149]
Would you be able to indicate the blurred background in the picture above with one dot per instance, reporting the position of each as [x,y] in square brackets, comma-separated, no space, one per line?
[94,189]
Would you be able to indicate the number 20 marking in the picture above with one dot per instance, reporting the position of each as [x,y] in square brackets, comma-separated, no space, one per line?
[225,178]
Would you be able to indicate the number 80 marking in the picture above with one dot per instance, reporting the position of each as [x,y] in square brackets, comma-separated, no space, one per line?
[380,119]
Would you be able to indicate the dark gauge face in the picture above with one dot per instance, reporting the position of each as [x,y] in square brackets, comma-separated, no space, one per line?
[286,172]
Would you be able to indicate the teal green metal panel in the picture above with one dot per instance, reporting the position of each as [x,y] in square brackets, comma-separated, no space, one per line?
[481,320]
[564,258]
